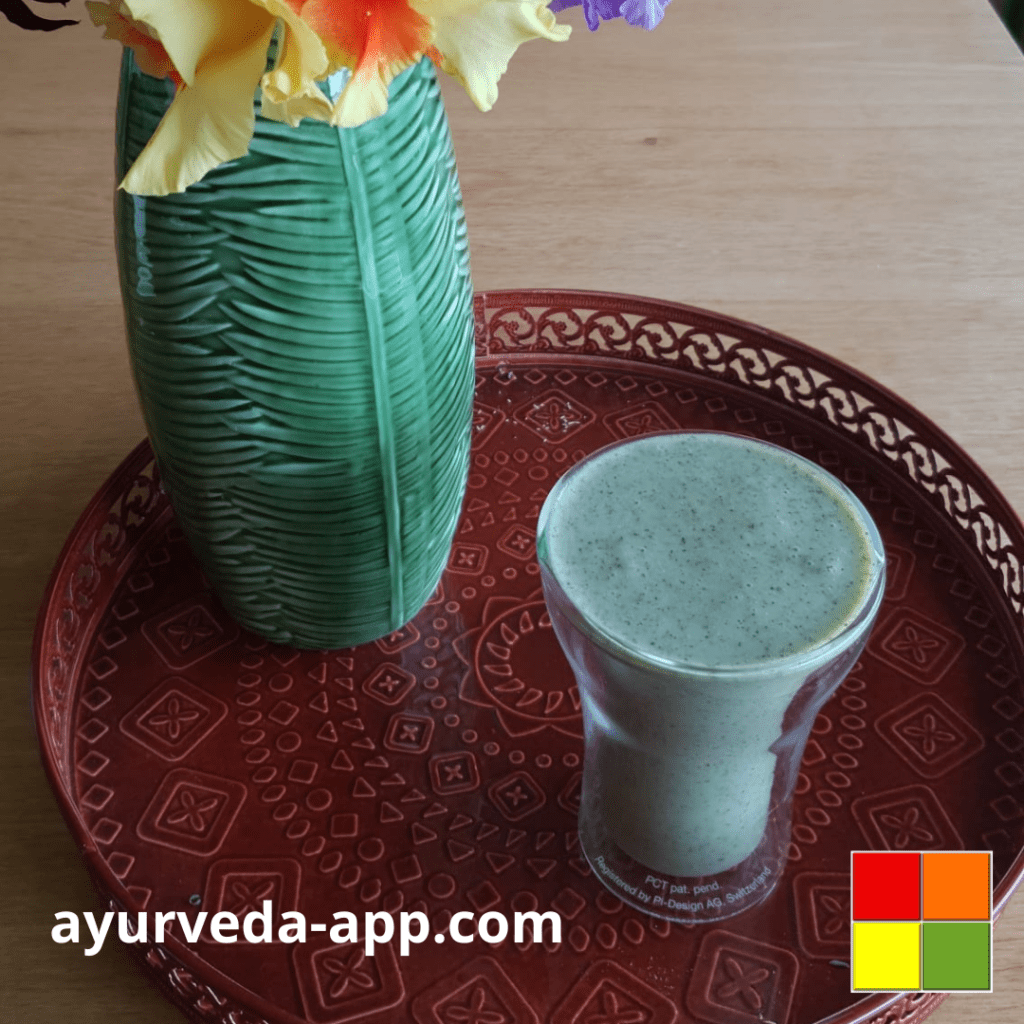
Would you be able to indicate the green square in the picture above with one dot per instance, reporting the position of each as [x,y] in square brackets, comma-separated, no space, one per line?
[956,956]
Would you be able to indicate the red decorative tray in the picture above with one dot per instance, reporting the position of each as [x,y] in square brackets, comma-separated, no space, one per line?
[201,768]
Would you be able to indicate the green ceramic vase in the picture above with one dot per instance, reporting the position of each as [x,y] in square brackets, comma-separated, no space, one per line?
[300,329]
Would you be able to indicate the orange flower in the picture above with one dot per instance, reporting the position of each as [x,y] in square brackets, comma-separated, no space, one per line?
[215,53]
[374,39]
[472,40]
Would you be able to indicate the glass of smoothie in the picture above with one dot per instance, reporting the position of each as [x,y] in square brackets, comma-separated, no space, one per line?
[710,591]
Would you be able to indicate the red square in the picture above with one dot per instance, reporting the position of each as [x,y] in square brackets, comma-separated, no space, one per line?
[886,886]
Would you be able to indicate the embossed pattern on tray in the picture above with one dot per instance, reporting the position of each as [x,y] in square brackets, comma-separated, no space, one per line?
[438,769]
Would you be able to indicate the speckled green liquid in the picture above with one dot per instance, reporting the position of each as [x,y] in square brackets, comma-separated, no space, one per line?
[696,581]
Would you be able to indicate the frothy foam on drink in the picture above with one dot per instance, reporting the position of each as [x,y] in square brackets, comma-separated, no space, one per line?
[709,549]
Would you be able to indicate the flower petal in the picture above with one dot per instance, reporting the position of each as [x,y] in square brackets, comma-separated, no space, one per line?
[644,13]
[193,30]
[375,40]
[477,44]
[596,11]
[291,109]
[290,90]
[185,29]
[149,52]
[208,123]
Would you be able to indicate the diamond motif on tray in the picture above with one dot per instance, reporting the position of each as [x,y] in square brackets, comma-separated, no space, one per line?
[483,897]
[980,617]
[908,818]
[737,980]
[468,559]
[240,886]
[93,763]
[92,730]
[454,773]
[1010,774]
[1001,676]
[189,632]
[390,684]
[96,698]
[479,993]
[409,734]
[399,640]
[929,735]
[140,582]
[191,811]
[96,797]
[339,983]
[103,667]
[822,902]
[111,638]
[607,993]
[1010,740]
[173,719]
[640,418]
[518,541]
[915,645]
[1007,807]
[516,795]
[106,830]
[568,903]
[1007,707]
[120,864]
[406,869]
[991,645]
[125,609]
[554,416]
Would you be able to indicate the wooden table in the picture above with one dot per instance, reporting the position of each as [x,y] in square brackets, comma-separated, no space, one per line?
[848,174]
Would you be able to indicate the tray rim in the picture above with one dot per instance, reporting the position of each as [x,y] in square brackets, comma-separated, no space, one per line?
[869,1009]
[488,301]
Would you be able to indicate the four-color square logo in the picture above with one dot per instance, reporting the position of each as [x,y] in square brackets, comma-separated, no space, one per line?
[921,921]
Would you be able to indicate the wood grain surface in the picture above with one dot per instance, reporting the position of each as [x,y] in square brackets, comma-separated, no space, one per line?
[845,173]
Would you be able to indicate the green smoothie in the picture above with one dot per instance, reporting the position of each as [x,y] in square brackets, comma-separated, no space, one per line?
[696,581]
[706,549]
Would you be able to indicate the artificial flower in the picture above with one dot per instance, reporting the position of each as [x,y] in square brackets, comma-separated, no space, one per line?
[215,52]
[375,40]
[642,13]
[476,44]
[149,52]
[472,40]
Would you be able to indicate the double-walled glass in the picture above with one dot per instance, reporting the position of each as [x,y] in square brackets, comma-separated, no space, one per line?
[690,769]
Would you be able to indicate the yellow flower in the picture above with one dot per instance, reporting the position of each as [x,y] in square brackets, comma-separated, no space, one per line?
[472,40]
[215,51]
[476,41]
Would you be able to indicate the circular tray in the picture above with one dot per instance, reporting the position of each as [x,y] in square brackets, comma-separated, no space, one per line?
[438,769]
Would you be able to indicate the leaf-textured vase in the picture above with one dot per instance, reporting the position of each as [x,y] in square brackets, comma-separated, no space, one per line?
[300,328]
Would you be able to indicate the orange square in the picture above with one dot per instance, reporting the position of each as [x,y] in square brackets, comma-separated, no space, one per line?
[956,886]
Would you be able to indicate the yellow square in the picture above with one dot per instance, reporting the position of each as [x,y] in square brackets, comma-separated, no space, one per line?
[886,956]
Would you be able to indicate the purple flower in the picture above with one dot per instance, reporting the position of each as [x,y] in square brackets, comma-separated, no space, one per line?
[644,13]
